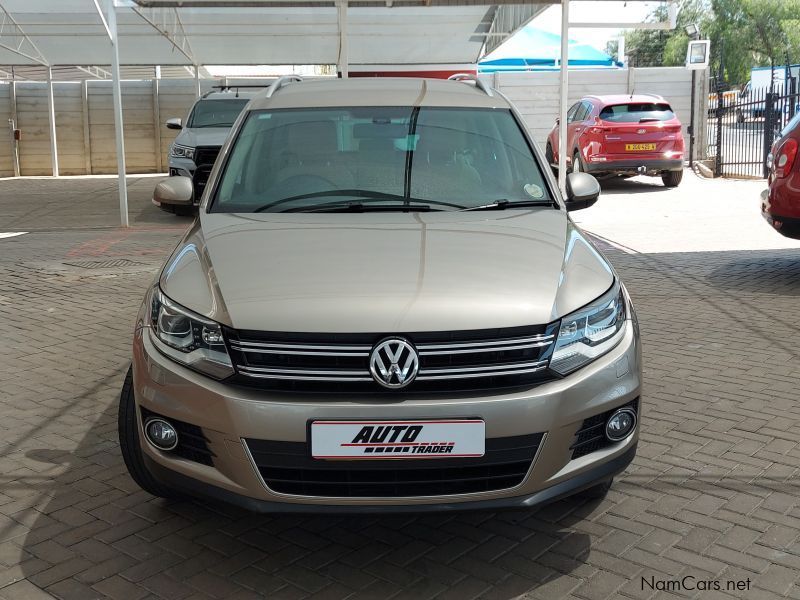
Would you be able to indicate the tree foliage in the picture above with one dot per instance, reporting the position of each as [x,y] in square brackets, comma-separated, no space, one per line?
[743,34]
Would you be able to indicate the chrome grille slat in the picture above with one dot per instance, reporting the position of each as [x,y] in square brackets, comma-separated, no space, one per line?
[280,371]
[276,346]
[483,344]
[481,369]
[304,378]
[475,375]
[479,349]
[295,352]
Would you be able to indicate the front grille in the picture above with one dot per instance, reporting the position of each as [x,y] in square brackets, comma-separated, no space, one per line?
[288,468]
[204,157]
[591,437]
[192,442]
[457,360]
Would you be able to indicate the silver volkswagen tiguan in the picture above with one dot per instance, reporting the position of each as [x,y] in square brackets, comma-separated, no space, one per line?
[383,304]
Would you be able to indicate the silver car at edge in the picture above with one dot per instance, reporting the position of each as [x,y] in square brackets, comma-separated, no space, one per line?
[193,151]
[383,305]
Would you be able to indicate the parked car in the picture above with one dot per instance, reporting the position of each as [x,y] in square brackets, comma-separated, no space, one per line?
[626,135]
[382,305]
[780,203]
[194,150]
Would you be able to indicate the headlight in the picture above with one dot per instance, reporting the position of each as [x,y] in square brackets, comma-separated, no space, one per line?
[188,338]
[590,332]
[182,151]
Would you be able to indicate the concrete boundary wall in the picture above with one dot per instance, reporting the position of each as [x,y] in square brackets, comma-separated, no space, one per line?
[85,120]
[85,125]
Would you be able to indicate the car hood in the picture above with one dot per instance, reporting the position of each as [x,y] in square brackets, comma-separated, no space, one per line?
[202,136]
[385,272]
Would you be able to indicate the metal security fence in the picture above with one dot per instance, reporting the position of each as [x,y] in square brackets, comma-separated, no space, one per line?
[742,128]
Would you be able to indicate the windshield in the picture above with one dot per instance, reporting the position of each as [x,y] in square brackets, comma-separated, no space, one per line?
[379,157]
[216,113]
[636,112]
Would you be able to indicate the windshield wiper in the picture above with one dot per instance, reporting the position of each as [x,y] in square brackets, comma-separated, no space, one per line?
[365,194]
[358,207]
[504,204]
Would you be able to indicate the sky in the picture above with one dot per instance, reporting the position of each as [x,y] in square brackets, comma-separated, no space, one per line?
[595,11]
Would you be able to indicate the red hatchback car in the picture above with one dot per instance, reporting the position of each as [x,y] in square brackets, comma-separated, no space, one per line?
[780,204]
[622,135]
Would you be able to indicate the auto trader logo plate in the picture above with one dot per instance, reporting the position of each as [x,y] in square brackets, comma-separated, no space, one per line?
[348,440]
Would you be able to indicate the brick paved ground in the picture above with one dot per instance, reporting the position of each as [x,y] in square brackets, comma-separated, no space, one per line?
[713,492]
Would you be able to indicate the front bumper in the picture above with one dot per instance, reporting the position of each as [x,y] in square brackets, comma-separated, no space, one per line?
[181,166]
[229,414]
[585,480]
[633,165]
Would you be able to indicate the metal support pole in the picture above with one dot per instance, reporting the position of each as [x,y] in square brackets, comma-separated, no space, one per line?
[13,122]
[196,81]
[342,65]
[564,83]
[692,118]
[771,113]
[51,117]
[118,131]
[720,113]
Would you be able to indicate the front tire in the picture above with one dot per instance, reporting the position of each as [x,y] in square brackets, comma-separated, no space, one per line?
[550,158]
[128,430]
[671,179]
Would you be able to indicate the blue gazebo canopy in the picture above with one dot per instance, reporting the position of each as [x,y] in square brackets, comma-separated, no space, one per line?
[532,48]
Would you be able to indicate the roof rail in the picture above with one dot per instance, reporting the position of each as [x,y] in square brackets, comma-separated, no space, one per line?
[280,82]
[230,86]
[479,83]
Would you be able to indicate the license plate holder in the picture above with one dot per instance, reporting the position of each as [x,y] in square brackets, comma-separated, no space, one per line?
[397,439]
[639,147]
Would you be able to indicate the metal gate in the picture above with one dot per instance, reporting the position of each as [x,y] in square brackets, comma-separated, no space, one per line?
[743,125]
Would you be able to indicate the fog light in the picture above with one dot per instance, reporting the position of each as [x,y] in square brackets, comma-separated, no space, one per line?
[161,434]
[620,424]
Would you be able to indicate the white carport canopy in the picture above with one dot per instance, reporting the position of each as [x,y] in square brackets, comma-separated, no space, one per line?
[254,32]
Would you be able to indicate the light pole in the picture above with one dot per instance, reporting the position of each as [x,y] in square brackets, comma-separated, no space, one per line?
[693,31]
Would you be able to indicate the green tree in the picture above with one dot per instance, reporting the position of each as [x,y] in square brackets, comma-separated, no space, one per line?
[663,47]
[754,33]
[743,34]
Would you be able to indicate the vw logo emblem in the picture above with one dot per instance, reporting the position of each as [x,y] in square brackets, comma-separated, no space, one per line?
[394,363]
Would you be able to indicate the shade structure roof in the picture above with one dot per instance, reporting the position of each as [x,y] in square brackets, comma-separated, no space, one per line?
[252,32]
[532,47]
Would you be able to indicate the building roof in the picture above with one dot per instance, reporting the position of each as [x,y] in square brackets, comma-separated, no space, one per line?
[257,32]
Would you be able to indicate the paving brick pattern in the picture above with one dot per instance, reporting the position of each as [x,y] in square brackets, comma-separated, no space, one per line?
[712,494]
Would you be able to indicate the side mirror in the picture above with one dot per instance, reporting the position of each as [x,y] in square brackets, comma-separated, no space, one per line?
[174,190]
[174,123]
[582,191]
